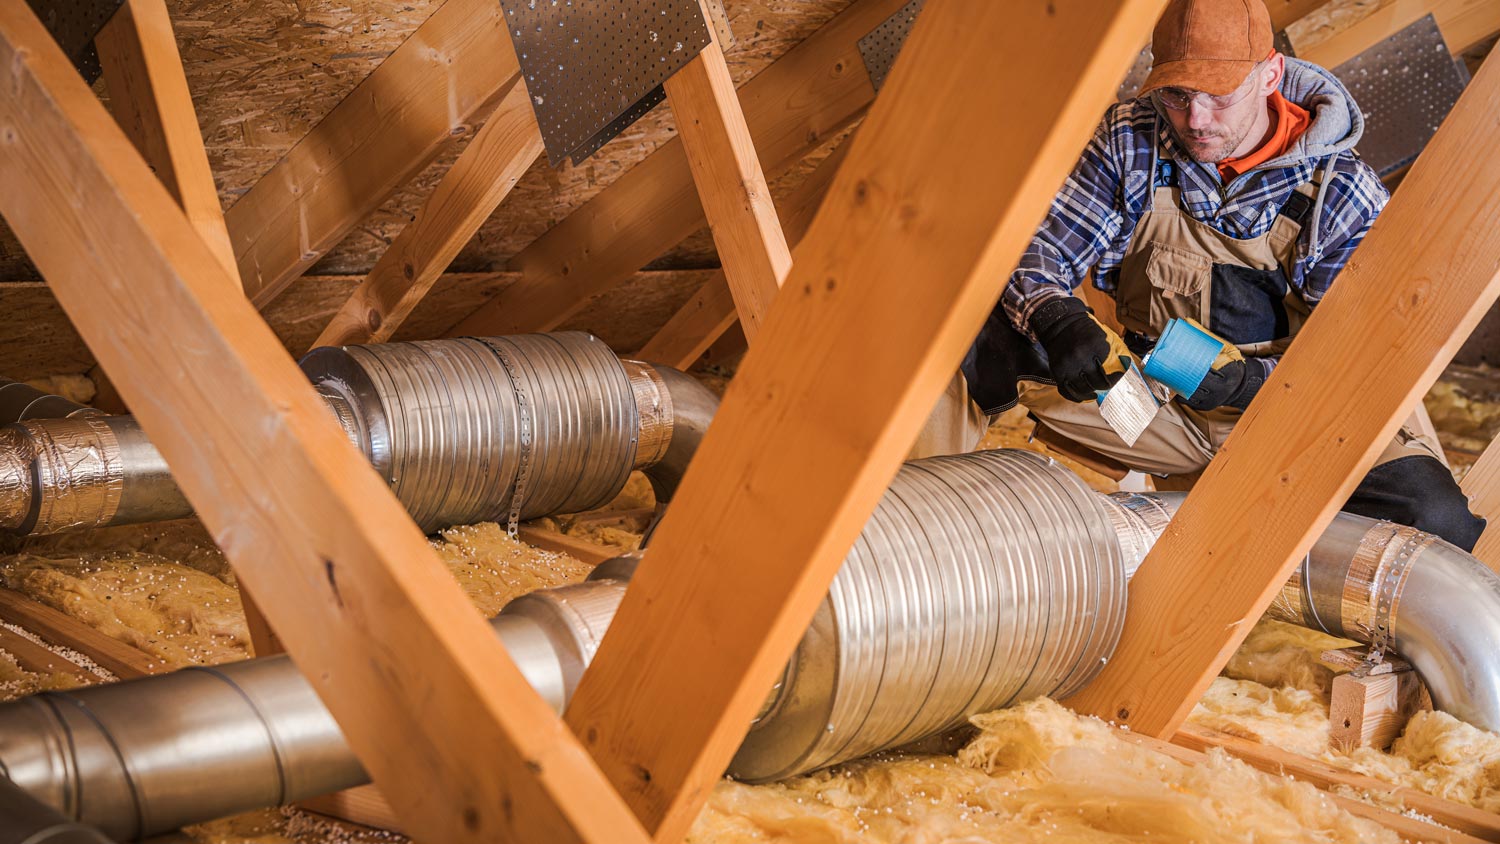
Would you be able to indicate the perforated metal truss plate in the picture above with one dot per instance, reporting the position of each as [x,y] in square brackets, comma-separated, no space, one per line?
[880,48]
[1405,86]
[1136,76]
[593,67]
[74,23]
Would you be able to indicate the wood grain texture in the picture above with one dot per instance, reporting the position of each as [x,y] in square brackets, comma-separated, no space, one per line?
[1371,711]
[1420,281]
[1274,760]
[731,187]
[791,108]
[1482,485]
[1463,23]
[448,73]
[721,601]
[371,615]
[700,322]
[469,193]
[150,100]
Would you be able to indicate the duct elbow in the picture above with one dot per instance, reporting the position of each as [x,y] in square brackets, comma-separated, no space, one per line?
[692,407]
[1448,628]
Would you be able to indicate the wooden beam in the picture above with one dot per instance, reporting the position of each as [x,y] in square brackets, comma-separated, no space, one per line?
[550,540]
[792,107]
[149,97]
[1274,760]
[810,448]
[1418,284]
[1190,752]
[114,656]
[1464,23]
[467,195]
[451,71]
[1482,485]
[1286,12]
[711,311]
[731,187]
[371,615]
[33,657]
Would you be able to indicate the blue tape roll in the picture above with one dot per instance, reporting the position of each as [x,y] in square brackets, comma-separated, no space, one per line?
[1183,356]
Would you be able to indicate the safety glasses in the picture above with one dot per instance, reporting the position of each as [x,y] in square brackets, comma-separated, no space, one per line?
[1178,99]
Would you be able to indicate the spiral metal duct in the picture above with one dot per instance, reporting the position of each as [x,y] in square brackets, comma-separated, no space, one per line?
[464,430]
[981,580]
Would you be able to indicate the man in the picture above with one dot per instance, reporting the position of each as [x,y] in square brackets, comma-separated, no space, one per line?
[1227,192]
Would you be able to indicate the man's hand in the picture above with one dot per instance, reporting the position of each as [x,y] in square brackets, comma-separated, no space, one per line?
[1083,355]
[1232,381]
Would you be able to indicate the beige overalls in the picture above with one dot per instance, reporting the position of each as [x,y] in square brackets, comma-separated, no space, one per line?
[1166,272]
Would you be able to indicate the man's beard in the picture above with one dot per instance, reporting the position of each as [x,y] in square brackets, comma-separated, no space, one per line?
[1214,148]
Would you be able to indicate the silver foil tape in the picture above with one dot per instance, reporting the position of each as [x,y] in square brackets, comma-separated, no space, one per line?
[15,477]
[79,471]
[653,402]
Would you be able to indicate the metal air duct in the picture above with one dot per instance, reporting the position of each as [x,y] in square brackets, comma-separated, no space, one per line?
[464,430]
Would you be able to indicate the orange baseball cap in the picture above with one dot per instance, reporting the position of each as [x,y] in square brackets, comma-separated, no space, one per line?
[1208,45]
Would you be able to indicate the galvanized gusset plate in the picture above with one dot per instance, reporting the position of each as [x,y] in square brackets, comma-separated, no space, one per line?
[74,23]
[593,67]
[880,48]
[1405,86]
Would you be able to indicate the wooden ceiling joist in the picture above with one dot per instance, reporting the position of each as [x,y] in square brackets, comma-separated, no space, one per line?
[704,318]
[731,186]
[371,615]
[795,105]
[466,196]
[448,74]
[818,419]
[1464,23]
[1424,276]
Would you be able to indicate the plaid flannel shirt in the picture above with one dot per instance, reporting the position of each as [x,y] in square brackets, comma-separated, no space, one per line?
[1094,217]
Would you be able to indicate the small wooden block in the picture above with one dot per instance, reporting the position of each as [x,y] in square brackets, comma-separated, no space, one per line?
[1372,710]
[364,805]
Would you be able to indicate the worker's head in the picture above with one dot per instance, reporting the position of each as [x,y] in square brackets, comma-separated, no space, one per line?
[1213,68]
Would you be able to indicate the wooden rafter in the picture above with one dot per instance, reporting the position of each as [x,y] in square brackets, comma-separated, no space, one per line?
[1413,291]
[1463,23]
[467,195]
[792,107]
[907,202]
[1482,485]
[449,72]
[149,97]
[371,615]
[704,318]
[731,187]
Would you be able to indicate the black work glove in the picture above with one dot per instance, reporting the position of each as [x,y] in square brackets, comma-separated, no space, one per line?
[1083,355]
[1232,381]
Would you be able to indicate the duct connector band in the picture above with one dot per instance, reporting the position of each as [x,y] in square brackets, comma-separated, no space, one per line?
[1386,585]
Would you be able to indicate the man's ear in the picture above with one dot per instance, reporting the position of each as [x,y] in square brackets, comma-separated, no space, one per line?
[1271,75]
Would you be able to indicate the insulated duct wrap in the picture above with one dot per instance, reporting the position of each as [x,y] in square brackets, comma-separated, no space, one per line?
[473,430]
[980,581]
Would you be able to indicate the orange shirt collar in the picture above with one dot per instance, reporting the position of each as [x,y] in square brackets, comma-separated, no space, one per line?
[1291,121]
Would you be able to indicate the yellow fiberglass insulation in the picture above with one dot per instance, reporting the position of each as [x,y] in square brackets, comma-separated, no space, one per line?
[1035,773]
